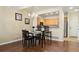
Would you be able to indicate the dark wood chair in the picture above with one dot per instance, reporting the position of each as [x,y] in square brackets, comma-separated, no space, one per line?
[27,38]
[43,38]
[45,35]
[48,35]
[37,38]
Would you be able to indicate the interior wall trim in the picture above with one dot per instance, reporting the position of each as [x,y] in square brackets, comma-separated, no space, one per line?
[73,36]
[21,39]
[10,42]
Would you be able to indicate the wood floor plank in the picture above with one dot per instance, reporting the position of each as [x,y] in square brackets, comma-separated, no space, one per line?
[55,46]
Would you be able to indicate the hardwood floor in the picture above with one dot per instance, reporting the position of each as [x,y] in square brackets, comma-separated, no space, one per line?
[55,46]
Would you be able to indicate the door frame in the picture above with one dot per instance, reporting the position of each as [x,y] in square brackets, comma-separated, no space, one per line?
[66,27]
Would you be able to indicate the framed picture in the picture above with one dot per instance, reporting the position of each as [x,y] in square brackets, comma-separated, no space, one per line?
[18,16]
[27,21]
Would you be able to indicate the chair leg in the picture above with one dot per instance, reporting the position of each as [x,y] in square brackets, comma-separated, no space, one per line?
[35,42]
[28,43]
[23,43]
[31,42]
[39,42]
[50,39]
[42,41]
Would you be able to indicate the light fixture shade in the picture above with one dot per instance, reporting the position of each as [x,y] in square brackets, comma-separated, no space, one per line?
[76,10]
[70,8]
[29,14]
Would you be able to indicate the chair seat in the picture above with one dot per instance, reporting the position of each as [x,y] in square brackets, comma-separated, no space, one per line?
[29,38]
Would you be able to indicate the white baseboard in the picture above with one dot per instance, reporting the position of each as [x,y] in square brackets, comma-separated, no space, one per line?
[10,42]
[58,40]
[21,39]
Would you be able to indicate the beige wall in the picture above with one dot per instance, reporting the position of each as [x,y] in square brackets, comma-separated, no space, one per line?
[10,29]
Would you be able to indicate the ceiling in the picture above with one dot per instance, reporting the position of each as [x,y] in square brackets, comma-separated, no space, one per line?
[41,8]
[50,14]
[16,7]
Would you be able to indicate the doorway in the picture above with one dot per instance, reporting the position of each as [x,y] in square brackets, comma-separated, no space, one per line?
[73,25]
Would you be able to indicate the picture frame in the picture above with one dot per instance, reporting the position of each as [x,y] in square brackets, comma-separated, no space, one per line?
[27,21]
[18,16]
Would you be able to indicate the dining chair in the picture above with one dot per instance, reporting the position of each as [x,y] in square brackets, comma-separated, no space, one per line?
[27,38]
[48,35]
[37,39]
[43,38]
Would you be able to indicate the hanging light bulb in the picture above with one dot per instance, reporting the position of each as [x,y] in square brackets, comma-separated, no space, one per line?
[29,14]
[70,8]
